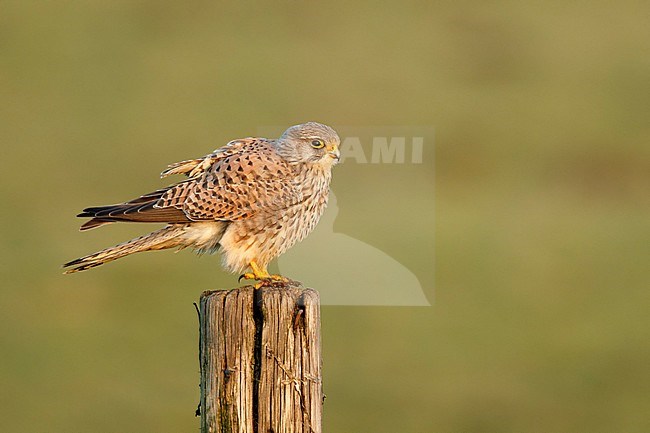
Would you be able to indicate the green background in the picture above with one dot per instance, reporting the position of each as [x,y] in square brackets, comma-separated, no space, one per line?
[540,315]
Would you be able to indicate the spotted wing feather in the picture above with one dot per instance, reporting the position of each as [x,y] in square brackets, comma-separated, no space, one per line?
[233,182]
[244,177]
[194,167]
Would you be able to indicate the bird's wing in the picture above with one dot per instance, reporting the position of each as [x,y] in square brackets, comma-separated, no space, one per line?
[194,167]
[235,182]
[140,209]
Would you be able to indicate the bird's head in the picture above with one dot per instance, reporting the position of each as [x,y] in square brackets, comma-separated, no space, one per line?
[310,142]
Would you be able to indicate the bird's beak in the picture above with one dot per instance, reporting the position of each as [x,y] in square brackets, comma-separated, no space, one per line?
[333,151]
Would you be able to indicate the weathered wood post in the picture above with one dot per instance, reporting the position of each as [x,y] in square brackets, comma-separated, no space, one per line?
[260,360]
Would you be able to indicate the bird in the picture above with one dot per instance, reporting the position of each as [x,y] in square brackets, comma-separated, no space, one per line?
[250,200]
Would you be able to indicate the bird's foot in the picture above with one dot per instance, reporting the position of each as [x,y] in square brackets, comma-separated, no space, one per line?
[272,280]
[262,276]
[265,280]
[276,278]
[247,276]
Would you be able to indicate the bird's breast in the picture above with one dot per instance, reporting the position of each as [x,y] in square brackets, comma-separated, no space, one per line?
[270,232]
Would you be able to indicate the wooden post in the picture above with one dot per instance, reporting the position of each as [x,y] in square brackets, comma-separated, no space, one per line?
[260,360]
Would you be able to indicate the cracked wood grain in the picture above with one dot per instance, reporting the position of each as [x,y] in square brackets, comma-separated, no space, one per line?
[260,358]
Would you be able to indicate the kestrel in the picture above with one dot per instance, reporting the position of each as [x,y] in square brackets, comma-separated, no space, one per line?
[251,200]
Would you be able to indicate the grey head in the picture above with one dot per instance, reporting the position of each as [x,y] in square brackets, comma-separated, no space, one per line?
[309,142]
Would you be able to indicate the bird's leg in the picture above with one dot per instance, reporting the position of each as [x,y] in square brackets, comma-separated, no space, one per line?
[261,274]
[275,277]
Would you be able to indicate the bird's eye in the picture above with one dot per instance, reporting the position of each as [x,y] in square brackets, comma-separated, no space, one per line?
[318,144]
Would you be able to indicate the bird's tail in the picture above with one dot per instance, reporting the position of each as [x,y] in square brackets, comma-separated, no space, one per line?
[168,237]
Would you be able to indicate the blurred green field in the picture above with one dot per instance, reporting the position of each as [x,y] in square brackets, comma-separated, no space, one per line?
[542,172]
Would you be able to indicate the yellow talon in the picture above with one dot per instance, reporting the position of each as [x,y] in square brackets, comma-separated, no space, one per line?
[278,278]
[246,276]
[262,275]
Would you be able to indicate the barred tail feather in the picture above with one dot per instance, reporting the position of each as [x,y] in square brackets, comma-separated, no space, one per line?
[167,237]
